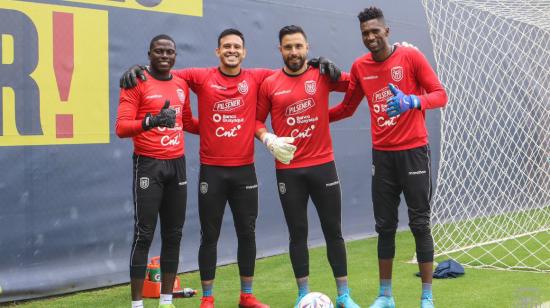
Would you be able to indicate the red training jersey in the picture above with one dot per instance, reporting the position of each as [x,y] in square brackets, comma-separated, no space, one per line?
[409,70]
[299,109]
[149,97]
[227,113]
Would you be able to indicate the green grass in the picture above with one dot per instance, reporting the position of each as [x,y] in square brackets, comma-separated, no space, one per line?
[275,283]
[485,228]
[525,248]
[519,253]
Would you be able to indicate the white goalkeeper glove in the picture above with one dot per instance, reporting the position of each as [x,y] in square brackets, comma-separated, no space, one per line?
[406,44]
[280,147]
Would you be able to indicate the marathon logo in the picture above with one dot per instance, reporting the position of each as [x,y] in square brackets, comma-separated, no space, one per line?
[300,107]
[332,183]
[417,172]
[381,95]
[228,105]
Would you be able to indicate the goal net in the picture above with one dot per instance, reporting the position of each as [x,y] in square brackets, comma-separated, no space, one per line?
[491,206]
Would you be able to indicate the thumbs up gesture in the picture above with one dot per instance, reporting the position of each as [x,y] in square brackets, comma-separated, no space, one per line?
[165,118]
[399,102]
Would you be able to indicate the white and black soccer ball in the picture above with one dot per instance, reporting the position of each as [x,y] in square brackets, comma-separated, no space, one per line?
[315,300]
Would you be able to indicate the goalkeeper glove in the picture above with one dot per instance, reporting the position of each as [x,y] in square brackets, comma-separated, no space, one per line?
[399,102]
[165,118]
[129,78]
[326,66]
[280,147]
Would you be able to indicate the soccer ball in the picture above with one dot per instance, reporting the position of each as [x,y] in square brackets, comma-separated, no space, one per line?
[315,300]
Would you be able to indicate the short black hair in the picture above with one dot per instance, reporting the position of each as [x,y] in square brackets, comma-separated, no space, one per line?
[371,13]
[230,31]
[161,37]
[292,29]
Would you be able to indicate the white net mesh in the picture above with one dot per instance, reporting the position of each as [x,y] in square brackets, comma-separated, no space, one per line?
[492,203]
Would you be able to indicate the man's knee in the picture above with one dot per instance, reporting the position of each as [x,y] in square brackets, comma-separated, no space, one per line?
[209,237]
[144,236]
[424,242]
[172,236]
[386,242]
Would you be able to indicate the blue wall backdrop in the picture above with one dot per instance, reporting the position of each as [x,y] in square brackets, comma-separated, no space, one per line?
[66,210]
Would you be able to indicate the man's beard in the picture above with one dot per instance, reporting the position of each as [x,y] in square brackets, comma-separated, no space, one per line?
[293,66]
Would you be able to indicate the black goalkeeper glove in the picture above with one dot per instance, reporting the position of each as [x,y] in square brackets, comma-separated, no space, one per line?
[165,118]
[326,67]
[129,78]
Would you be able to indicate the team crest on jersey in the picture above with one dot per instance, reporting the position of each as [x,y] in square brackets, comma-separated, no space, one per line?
[181,95]
[144,182]
[397,73]
[243,87]
[203,187]
[310,86]
[282,188]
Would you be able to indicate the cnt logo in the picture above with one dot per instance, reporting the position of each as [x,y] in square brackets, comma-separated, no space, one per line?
[228,105]
[299,107]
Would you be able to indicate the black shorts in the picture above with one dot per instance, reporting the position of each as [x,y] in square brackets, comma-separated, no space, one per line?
[396,172]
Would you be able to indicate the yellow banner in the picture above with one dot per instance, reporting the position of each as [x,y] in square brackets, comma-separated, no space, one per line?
[182,7]
[55,67]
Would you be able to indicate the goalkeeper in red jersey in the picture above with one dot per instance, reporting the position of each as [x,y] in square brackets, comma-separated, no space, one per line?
[154,114]
[399,85]
[297,98]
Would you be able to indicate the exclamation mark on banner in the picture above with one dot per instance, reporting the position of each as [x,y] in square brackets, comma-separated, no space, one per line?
[63,66]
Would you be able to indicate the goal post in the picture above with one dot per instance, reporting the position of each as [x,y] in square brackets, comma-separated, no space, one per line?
[491,206]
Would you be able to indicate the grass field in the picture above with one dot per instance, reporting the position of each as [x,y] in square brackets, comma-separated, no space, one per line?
[275,283]
[524,244]
[517,253]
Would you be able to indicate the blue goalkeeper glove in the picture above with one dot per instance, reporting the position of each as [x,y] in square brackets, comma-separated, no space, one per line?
[399,102]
